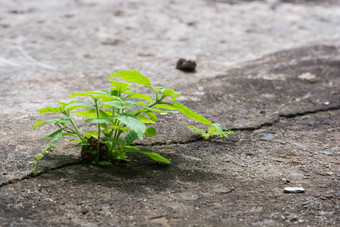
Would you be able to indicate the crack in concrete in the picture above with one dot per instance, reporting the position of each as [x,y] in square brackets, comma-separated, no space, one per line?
[194,139]
[272,122]
[283,115]
[31,175]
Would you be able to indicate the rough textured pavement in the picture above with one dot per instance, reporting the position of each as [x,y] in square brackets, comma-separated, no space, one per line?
[270,70]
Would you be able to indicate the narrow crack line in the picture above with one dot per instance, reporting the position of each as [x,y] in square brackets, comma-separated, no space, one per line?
[303,113]
[172,142]
[263,124]
[30,175]
[272,122]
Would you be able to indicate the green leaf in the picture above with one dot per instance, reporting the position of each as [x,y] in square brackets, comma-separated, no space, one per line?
[110,98]
[139,96]
[109,145]
[37,124]
[169,92]
[130,137]
[94,94]
[39,156]
[199,132]
[52,121]
[119,86]
[74,106]
[133,123]
[193,115]
[218,131]
[150,131]
[78,140]
[155,156]
[91,113]
[218,127]
[123,129]
[148,109]
[102,91]
[50,109]
[91,133]
[131,149]
[152,116]
[63,104]
[54,136]
[132,76]
[98,120]
[145,119]
[212,131]
[166,106]
[152,155]
[81,94]
[103,125]
[104,163]
[120,104]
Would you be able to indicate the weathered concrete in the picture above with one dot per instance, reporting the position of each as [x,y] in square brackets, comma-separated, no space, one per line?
[263,67]
[234,182]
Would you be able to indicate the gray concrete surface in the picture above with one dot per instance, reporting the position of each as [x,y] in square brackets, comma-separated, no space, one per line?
[263,67]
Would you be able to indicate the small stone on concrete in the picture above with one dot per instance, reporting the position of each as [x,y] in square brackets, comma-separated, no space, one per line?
[294,190]
[335,149]
[264,151]
[296,175]
[268,96]
[326,153]
[308,77]
[186,65]
[299,145]
[192,158]
[284,180]
[327,214]
[267,137]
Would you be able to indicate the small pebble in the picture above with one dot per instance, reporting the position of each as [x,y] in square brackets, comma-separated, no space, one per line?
[264,151]
[308,77]
[267,137]
[326,153]
[186,65]
[335,149]
[299,145]
[286,181]
[268,96]
[294,190]
[192,158]
[296,175]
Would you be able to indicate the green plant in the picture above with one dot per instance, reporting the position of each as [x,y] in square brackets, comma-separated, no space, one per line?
[39,156]
[119,119]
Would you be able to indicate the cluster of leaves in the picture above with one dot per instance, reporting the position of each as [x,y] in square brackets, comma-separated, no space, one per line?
[120,119]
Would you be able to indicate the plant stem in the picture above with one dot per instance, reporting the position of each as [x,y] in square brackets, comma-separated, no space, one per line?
[77,131]
[36,168]
[98,125]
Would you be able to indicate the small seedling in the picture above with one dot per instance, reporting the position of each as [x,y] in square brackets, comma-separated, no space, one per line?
[39,156]
[119,120]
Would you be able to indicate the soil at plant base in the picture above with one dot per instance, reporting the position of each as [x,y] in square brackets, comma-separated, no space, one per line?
[273,79]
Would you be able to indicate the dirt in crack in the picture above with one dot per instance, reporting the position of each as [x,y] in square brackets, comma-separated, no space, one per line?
[89,152]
